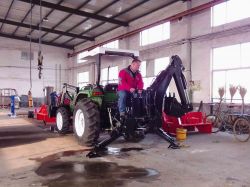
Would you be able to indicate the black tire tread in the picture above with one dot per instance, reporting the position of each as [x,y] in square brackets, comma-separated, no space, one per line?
[66,120]
[92,122]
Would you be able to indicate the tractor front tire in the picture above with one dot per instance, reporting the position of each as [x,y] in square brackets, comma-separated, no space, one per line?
[86,123]
[62,120]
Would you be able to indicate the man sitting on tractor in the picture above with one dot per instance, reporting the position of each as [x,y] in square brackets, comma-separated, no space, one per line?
[130,80]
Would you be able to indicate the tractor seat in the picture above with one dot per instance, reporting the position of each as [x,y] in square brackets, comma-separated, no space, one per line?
[111,87]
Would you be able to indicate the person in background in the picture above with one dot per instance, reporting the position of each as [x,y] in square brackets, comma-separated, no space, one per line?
[30,99]
[130,80]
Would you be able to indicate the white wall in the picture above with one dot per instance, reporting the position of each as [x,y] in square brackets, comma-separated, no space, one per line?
[196,28]
[14,72]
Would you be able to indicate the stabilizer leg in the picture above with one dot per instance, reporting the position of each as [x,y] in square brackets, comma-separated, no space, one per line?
[168,138]
[101,146]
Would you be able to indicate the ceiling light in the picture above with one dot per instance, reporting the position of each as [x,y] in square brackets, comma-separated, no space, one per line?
[45,19]
[108,15]
[87,27]
[118,10]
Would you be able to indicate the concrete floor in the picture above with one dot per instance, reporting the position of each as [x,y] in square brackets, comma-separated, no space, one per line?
[31,155]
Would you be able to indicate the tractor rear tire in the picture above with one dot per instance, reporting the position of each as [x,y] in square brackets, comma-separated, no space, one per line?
[62,120]
[86,123]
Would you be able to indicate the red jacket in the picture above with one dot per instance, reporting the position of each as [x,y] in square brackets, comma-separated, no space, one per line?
[128,79]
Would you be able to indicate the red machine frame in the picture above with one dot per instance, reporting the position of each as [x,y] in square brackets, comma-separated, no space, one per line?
[190,121]
[43,115]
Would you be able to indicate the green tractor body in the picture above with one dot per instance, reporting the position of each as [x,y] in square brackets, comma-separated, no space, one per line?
[104,97]
[89,108]
[94,108]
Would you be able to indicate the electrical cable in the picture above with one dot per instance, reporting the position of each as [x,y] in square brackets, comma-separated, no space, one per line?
[30,45]
[40,57]
[40,38]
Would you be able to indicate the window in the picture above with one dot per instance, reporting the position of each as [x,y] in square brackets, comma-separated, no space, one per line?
[111,76]
[160,64]
[226,57]
[230,11]
[155,34]
[143,68]
[231,66]
[82,55]
[27,55]
[82,79]
[114,44]
[147,81]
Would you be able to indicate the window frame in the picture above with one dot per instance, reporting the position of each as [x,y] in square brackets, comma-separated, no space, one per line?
[228,18]
[161,58]
[227,71]
[108,80]
[153,76]
[148,33]
[143,74]
[82,82]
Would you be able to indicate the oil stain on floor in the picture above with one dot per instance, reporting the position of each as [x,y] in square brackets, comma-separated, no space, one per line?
[118,152]
[59,172]
[92,174]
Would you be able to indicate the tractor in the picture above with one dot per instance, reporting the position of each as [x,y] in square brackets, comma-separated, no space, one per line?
[94,107]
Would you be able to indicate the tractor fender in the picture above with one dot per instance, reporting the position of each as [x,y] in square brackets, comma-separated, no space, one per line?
[79,97]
